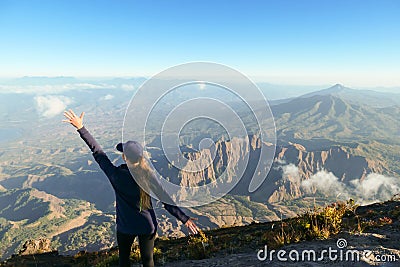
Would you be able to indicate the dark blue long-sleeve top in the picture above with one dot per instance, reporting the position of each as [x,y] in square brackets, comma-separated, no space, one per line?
[130,220]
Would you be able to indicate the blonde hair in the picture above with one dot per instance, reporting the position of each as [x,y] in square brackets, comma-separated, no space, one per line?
[143,171]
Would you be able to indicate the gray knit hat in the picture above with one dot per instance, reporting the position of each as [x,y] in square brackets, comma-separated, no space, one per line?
[131,149]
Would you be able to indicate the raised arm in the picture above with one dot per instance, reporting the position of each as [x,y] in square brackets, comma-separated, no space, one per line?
[98,153]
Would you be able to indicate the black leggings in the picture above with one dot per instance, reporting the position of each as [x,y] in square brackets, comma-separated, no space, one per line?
[146,245]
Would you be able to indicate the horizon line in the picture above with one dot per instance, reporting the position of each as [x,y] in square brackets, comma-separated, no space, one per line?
[323,85]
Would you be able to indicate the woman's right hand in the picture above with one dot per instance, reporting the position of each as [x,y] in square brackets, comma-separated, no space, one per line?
[76,121]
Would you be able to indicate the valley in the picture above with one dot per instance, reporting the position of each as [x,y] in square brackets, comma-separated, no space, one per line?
[331,145]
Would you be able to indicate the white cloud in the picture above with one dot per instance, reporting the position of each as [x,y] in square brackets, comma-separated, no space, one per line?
[52,88]
[51,105]
[127,87]
[326,183]
[107,97]
[376,187]
[291,173]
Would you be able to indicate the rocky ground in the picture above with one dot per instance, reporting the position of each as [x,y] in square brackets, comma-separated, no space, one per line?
[380,245]
[376,243]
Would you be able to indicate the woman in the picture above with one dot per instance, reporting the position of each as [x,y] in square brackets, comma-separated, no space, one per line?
[135,214]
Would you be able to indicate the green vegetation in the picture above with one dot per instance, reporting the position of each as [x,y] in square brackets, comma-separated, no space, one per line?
[337,119]
[318,123]
[198,246]
[253,209]
[381,150]
[99,230]
[42,222]
[317,223]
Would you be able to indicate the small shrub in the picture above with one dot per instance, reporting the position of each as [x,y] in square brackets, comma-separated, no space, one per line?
[199,246]
[318,223]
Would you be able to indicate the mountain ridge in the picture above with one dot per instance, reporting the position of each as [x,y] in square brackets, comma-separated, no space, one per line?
[359,96]
[332,117]
[316,136]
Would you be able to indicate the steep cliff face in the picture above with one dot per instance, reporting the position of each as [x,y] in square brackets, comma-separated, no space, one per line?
[225,157]
[281,183]
[335,160]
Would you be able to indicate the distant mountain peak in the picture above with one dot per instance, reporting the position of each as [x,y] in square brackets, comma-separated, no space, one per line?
[333,90]
[357,96]
[338,87]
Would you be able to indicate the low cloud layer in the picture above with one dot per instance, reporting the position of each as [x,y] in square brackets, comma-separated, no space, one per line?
[50,105]
[374,188]
[326,183]
[290,173]
[59,88]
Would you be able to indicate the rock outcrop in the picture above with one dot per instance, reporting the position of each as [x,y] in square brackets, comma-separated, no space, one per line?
[42,245]
[334,158]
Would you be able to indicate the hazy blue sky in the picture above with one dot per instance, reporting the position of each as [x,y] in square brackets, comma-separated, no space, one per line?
[356,43]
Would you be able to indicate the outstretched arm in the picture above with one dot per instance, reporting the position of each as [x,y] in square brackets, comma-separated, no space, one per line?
[98,153]
[174,210]
[157,188]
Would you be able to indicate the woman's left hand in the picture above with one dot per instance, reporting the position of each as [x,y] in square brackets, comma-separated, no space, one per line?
[191,225]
